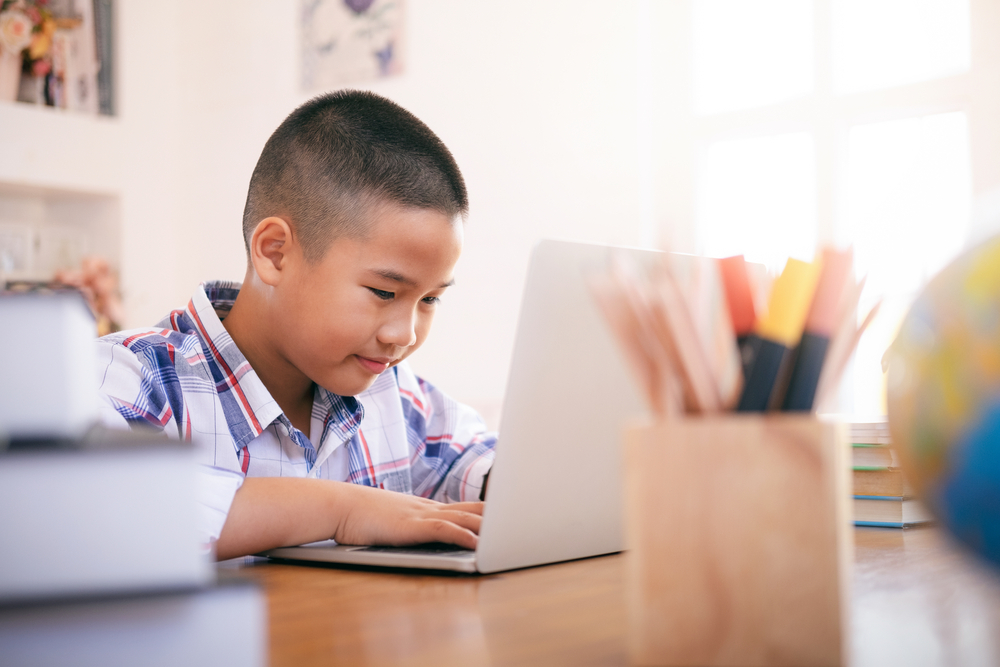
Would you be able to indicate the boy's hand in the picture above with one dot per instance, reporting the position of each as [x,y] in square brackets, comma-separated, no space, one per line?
[397,519]
[271,512]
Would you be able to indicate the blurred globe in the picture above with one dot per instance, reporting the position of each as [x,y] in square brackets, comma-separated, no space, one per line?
[944,397]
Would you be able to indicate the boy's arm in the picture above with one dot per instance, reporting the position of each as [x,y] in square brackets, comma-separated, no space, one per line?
[271,512]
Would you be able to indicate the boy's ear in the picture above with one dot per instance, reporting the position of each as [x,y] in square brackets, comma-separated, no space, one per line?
[270,248]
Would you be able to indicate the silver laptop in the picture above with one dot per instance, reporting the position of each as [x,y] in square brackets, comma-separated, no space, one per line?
[555,490]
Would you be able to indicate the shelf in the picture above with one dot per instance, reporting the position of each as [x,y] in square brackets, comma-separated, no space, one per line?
[44,229]
[59,149]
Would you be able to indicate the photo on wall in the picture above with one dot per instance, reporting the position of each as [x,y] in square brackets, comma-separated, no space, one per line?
[350,41]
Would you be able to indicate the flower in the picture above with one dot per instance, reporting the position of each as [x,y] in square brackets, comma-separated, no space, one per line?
[99,285]
[41,67]
[42,39]
[15,30]
[27,28]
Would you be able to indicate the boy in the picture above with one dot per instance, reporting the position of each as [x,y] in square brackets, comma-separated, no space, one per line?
[293,386]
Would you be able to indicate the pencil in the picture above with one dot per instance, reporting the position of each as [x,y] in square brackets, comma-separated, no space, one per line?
[778,331]
[819,327]
[739,299]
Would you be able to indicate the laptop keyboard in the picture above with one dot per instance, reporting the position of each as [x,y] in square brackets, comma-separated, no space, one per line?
[432,549]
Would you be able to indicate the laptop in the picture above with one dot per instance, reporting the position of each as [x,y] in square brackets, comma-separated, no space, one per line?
[555,491]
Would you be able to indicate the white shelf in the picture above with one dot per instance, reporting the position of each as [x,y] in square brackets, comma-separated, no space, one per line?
[58,149]
[43,230]
[60,190]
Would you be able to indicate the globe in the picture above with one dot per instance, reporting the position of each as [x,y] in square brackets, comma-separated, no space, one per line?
[944,397]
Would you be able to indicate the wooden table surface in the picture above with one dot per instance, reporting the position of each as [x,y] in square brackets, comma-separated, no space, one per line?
[917,600]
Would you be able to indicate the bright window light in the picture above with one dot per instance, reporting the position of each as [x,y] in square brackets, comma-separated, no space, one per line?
[908,204]
[908,198]
[749,54]
[882,43]
[757,197]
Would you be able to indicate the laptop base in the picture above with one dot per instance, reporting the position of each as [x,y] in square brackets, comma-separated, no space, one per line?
[434,556]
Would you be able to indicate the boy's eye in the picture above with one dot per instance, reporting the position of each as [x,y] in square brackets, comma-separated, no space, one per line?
[382,294]
[431,300]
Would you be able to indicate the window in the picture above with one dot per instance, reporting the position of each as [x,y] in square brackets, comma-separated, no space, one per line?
[908,200]
[883,43]
[836,121]
[753,191]
[751,53]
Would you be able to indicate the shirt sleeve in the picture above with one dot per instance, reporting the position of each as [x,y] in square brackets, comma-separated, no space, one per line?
[108,414]
[130,385]
[132,394]
[216,490]
[451,448]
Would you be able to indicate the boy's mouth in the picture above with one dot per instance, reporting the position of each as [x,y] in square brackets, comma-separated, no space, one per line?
[374,365]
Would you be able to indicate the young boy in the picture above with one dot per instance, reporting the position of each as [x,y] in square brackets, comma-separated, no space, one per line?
[293,385]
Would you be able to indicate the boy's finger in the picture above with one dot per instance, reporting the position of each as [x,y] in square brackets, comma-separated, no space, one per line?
[466,520]
[442,530]
[475,507]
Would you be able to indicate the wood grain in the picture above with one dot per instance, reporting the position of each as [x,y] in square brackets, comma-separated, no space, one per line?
[917,600]
[739,538]
[571,613]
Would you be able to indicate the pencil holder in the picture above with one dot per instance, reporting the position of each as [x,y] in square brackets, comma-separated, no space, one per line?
[739,541]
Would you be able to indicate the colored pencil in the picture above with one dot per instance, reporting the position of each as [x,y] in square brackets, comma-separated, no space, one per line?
[778,331]
[676,325]
[819,327]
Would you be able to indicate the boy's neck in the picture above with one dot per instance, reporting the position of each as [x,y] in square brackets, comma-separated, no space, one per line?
[292,390]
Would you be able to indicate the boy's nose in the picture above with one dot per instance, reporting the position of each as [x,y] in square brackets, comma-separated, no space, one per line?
[400,331]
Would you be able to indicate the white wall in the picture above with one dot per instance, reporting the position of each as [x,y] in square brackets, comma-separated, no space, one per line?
[536,101]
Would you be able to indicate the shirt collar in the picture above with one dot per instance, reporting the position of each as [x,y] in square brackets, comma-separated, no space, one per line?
[209,305]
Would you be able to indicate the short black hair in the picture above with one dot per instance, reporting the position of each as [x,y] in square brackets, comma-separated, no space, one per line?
[340,154]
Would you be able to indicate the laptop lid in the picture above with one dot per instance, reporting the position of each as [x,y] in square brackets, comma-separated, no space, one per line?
[555,491]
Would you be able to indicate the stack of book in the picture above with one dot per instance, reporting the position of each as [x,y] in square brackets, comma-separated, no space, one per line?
[881,495]
[102,561]
[102,565]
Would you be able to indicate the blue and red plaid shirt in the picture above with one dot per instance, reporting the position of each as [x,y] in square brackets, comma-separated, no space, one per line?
[187,378]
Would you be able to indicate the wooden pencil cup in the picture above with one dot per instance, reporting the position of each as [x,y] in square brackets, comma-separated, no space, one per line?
[740,542]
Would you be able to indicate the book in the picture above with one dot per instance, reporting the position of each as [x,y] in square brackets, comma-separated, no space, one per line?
[112,514]
[871,444]
[81,61]
[870,431]
[869,457]
[871,439]
[880,482]
[882,496]
[223,624]
[105,42]
[889,512]
[48,359]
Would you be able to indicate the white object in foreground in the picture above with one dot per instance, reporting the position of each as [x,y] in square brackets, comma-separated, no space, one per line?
[47,366]
[221,625]
[111,520]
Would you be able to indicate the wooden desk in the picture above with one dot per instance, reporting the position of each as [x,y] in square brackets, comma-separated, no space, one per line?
[917,601]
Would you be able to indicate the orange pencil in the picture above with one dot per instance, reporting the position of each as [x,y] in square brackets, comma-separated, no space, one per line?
[739,298]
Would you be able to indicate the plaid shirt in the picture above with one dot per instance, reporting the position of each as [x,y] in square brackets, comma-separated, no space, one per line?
[187,378]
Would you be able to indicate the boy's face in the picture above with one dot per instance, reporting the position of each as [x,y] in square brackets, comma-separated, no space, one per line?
[369,302]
